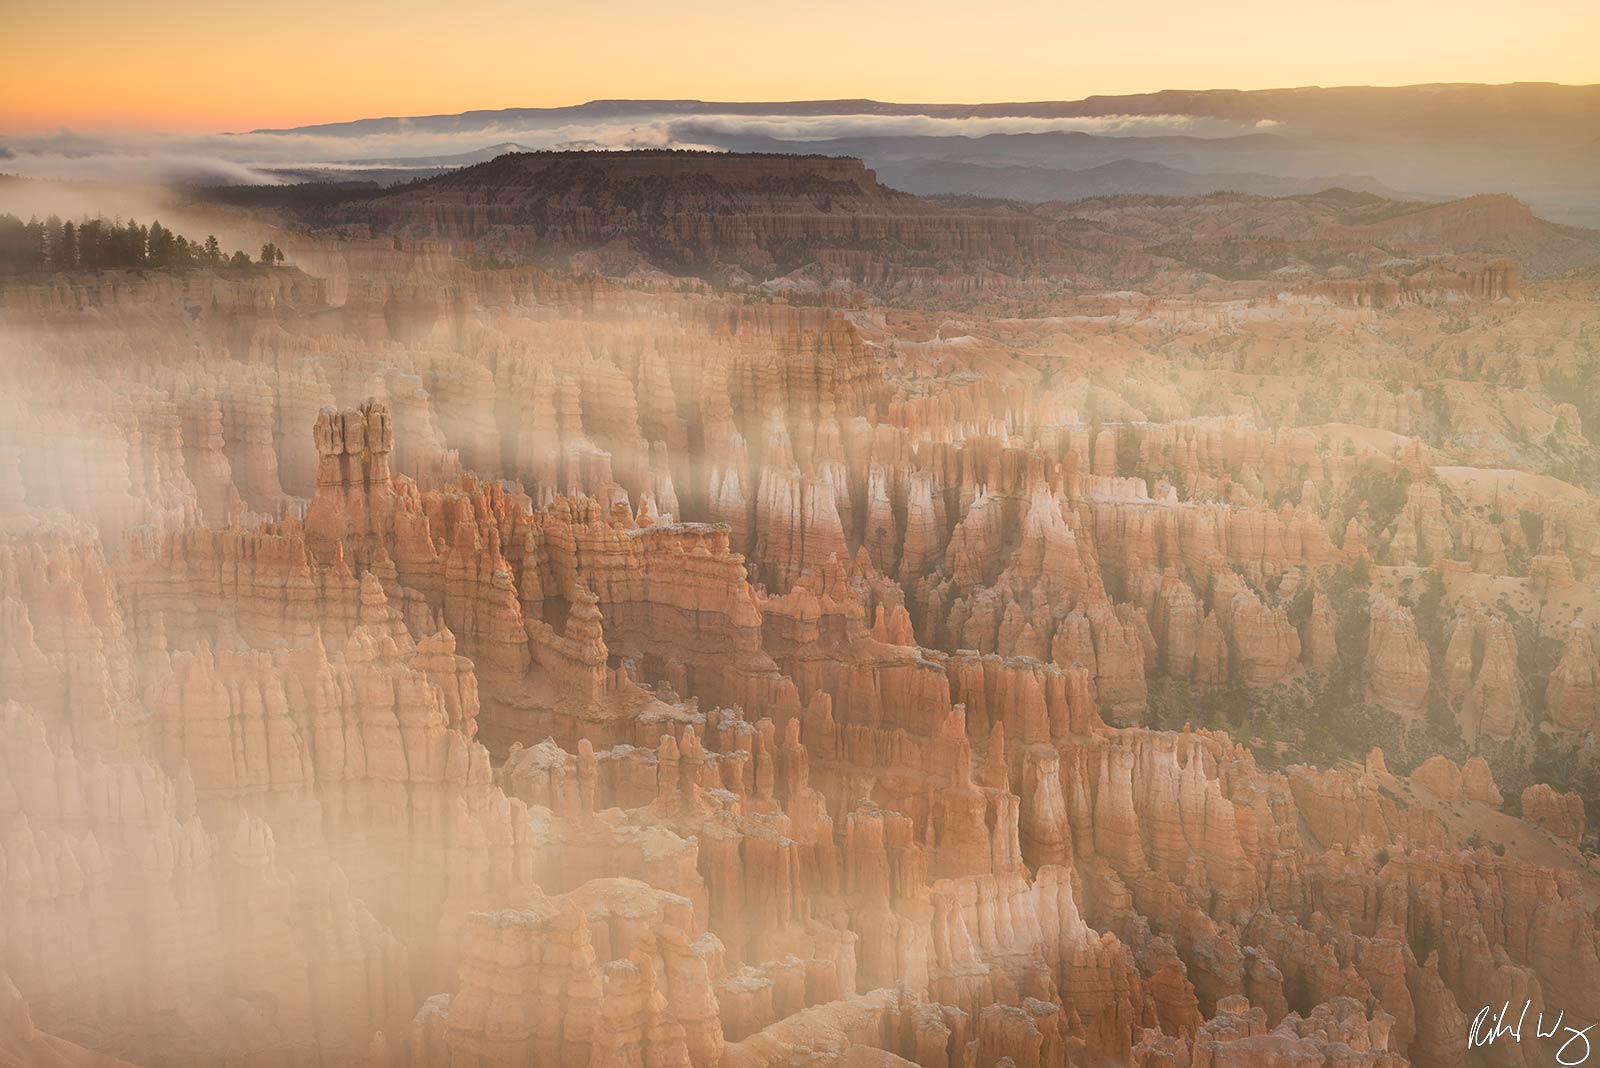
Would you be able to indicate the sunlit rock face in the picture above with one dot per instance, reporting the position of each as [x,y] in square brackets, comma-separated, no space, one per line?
[807,625]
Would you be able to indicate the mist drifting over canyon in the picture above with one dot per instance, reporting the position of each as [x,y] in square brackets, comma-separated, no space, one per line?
[1535,141]
[834,584]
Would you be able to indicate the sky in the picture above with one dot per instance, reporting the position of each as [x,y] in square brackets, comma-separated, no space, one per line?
[201,65]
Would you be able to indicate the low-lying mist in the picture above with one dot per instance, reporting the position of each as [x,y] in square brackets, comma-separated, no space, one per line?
[253,157]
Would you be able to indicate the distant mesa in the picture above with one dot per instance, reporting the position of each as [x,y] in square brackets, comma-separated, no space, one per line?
[1420,142]
[814,222]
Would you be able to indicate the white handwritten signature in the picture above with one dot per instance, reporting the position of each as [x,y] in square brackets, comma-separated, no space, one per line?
[1490,1026]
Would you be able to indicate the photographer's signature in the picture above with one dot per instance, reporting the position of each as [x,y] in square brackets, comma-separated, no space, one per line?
[1490,1026]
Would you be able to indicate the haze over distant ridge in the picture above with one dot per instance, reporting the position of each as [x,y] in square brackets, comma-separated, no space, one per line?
[1535,141]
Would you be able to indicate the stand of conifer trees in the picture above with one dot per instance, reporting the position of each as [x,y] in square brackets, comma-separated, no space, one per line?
[99,244]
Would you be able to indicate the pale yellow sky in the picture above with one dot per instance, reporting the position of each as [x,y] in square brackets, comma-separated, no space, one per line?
[233,65]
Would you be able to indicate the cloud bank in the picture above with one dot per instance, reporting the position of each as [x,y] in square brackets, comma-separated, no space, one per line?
[253,158]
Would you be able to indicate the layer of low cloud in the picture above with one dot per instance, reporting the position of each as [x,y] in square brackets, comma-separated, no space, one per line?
[253,158]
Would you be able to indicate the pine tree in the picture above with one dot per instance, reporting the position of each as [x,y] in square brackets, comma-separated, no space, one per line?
[160,248]
[36,255]
[89,245]
[52,241]
[67,257]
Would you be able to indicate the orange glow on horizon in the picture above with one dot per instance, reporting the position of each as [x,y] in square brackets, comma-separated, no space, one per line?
[196,66]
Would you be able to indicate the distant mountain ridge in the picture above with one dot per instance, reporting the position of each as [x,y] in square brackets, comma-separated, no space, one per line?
[1535,141]
[1040,183]
[785,218]
[1503,107]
